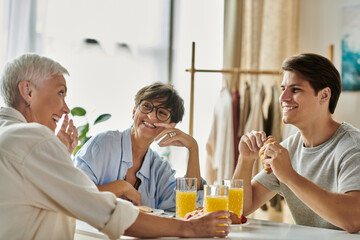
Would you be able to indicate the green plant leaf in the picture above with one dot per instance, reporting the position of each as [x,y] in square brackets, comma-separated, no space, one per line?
[87,139]
[78,111]
[83,130]
[102,118]
[77,148]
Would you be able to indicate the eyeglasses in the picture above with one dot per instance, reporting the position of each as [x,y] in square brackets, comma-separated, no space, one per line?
[162,114]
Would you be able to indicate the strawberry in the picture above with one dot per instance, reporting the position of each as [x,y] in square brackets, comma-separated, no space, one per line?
[188,215]
[243,219]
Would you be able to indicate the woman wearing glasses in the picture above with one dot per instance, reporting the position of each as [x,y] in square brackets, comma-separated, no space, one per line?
[123,163]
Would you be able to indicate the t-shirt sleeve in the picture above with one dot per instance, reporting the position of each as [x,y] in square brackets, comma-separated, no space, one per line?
[268,180]
[349,174]
[52,182]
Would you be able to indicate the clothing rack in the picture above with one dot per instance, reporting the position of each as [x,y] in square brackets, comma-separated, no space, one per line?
[193,70]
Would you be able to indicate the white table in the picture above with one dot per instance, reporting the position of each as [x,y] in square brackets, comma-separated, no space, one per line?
[255,230]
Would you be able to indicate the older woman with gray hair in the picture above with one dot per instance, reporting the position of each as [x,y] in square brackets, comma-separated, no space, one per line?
[41,190]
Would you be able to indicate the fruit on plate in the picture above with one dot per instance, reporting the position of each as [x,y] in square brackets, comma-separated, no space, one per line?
[243,219]
[237,220]
[269,140]
[197,212]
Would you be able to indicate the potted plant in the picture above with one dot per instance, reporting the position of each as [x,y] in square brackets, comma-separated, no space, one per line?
[83,130]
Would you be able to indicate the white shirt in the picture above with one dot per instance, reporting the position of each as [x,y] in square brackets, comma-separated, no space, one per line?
[220,145]
[41,190]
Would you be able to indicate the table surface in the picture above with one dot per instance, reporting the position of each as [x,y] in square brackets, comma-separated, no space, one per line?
[255,229]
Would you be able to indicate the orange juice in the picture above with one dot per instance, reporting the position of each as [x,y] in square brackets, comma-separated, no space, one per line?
[236,200]
[185,202]
[216,203]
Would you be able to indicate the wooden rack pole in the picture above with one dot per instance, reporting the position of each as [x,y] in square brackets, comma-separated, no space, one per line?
[330,52]
[235,70]
[192,71]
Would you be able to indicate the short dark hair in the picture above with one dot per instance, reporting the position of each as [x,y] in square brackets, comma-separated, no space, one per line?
[160,91]
[319,72]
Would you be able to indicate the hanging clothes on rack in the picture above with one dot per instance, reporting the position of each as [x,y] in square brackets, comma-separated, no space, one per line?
[236,114]
[255,120]
[220,145]
[245,101]
[273,122]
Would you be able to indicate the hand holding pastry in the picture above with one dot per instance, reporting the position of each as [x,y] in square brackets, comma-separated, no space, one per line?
[250,144]
[269,140]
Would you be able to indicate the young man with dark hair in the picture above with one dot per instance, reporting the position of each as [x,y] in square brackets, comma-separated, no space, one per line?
[317,170]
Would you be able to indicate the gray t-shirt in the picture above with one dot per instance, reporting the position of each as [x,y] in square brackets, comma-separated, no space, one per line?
[333,165]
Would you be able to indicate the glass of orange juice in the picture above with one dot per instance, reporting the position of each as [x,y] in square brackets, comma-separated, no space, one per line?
[236,194]
[216,198]
[185,196]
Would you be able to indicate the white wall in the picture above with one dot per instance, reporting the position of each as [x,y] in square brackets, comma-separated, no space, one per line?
[320,26]
[200,21]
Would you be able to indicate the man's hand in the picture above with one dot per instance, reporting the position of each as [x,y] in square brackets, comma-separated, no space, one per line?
[277,157]
[68,134]
[250,144]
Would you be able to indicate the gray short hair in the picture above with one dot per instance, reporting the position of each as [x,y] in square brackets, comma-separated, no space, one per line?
[30,67]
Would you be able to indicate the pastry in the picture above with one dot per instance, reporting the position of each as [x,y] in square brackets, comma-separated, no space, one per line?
[144,209]
[270,139]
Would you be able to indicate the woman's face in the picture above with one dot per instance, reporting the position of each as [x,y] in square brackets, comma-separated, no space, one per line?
[144,123]
[47,103]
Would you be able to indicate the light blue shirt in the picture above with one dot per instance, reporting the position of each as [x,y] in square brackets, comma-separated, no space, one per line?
[107,156]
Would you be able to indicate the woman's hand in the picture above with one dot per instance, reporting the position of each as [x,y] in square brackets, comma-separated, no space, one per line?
[68,134]
[250,144]
[130,194]
[122,189]
[206,226]
[174,137]
[211,224]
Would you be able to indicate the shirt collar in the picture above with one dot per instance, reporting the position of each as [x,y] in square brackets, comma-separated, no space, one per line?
[127,146]
[10,112]
[145,168]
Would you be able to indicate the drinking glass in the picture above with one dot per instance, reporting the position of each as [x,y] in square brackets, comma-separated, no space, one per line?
[216,198]
[236,195]
[185,196]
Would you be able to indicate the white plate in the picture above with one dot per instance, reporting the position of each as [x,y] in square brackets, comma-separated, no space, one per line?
[156,211]
[239,225]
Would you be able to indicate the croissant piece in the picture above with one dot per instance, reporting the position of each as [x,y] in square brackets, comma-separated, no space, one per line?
[269,140]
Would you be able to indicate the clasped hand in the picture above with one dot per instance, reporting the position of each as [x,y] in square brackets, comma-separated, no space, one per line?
[276,156]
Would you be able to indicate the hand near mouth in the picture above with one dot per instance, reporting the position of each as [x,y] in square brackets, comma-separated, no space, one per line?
[68,134]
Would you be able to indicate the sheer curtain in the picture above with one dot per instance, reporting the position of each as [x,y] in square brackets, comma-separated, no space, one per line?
[18,29]
[262,34]
[21,27]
